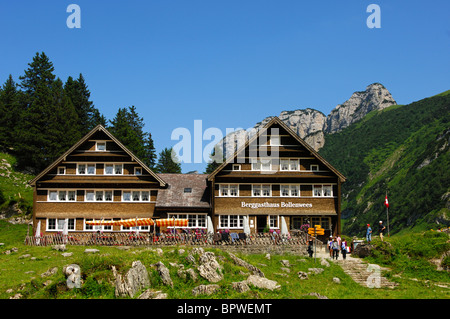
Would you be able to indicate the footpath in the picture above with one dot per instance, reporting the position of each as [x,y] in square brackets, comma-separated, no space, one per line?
[363,273]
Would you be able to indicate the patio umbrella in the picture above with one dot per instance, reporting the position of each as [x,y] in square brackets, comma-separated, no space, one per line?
[65,230]
[210,227]
[284,230]
[37,235]
[246,225]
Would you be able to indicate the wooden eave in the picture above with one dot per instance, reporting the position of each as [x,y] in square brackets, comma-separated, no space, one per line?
[69,152]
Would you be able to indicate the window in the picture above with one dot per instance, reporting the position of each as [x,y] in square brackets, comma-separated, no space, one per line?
[83,169]
[90,196]
[138,171]
[109,169]
[289,190]
[194,220]
[100,146]
[261,165]
[231,221]
[273,221]
[236,167]
[227,190]
[256,190]
[317,190]
[108,196]
[114,169]
[322,191]
[327,191]
[145,196]
[58,224]
[314,168]
[99,196]
[188,190]
[261,190]
[91,169]
[118,169]
[61,195]
[126,196]
[289,165]
[71,196]
[97,227]
[61,170]
[136,196]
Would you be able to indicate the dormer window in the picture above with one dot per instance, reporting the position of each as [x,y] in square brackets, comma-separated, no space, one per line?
[100,146]
[61,170]
[138,171]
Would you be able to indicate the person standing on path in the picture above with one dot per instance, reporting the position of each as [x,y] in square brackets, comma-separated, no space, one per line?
[382,229]
[369,234]
[335,247]
[330,240]
[344,249]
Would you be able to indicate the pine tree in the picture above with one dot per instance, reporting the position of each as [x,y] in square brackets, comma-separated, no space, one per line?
[47,121]
[128,127]
[168,162]
[9,112]
[88,115]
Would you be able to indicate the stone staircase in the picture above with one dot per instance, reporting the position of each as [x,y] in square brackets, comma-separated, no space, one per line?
[367,275]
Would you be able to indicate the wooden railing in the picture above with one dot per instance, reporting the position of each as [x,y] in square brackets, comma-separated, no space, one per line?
[147,239]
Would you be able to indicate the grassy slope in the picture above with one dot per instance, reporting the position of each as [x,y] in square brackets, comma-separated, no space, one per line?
[384,152]
[13,184]
[98,279]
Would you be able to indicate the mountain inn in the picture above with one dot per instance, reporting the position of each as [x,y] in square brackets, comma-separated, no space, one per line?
[273,177]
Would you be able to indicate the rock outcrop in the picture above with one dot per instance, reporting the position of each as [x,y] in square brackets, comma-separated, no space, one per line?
[312,125]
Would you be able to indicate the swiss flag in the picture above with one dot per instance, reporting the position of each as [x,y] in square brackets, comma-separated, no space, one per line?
[386,203]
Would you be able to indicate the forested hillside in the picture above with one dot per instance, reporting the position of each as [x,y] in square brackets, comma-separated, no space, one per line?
[401,150]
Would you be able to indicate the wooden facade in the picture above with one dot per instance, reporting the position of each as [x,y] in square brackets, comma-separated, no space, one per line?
[98,178]
[274,176]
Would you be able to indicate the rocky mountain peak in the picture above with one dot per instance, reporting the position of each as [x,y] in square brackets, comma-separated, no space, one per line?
[376,96]
[312,125]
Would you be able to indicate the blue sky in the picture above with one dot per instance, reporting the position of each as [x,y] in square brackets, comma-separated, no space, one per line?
[230,63]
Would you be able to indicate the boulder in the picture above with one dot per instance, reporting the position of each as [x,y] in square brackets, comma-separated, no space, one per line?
[302,275]
[163,271]
[363,250]
[135,279]
[152,294]
[205,290]
[242,263]
[261,282]
[240,286]
[209,268]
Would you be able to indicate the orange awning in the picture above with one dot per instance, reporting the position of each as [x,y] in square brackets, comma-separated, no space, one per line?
[133,222]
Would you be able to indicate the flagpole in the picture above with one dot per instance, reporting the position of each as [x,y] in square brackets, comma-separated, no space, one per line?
[387,214]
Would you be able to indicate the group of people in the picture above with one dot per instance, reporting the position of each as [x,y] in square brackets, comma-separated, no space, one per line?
[381,229]
[335,244]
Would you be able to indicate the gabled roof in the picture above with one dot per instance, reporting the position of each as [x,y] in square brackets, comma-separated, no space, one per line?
[99,127]
[276,120]
[176,196]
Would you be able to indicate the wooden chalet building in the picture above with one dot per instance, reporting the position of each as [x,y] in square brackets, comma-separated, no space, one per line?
[275,174]
[97,178]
